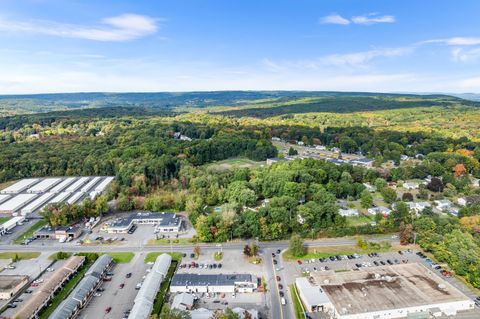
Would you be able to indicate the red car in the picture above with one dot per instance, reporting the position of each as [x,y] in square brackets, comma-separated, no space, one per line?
[108,309]
[299,262]
[121,286]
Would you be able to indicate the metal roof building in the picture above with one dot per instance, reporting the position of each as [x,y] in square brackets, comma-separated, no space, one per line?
[101,187]
[4,197]
[10,224]
[79,183]
[75,198]
[64,184]
[19,186]
[45,292]
[213,283]
[37,203]
[61,197]
[13,205]
[44,185]
[146,296]
[83,291]
[90,184]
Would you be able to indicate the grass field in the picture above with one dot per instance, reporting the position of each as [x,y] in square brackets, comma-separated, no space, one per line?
[4,219]
[31,231]
[172,241]
[297,306]
[160,298]
[233,163]
[325,252]
[20,255]
[121,257]
[151,257]
[55,256]
[359,220]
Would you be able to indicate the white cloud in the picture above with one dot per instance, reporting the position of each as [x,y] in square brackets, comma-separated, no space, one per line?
[373,18]
[455,41]
[361,58]
[465,55]
[124,27]
[334,19]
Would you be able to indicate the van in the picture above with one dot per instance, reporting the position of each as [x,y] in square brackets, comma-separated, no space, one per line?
[283,301]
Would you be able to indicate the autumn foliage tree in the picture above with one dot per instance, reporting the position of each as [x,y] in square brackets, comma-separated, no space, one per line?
[406,233]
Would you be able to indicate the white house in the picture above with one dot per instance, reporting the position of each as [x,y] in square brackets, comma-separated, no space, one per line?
[410,185]
[462,201]
[443,203]
[379,209]
[369,187]
[418,207]
[348,212]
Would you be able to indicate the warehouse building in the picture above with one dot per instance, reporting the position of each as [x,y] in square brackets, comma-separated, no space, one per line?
[78,183]
[213,283]
[145,298]
[75,198]
[14,205]
[4,198]
[387,292]
[20,186]
[82,293]
[60,198]
[90,184]
[165,222]
[11,285]
[60,232]
[10,224]
[37,204]
[45,292]
[64,184]
[44,185]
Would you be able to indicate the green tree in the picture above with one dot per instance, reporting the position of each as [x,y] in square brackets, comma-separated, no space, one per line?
[296,246]
[292,151]
[366,199]
[389,195]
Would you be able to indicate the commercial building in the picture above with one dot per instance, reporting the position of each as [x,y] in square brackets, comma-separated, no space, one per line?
[13,205]
[82,293]
[103,184]
[75,198]
[145,298]
[20,186]
[164,222]
[213,283]
[4,198]
[387,292]
[90,184]
[203,313]
[10,224]
[60,232]
[78,183]
[45,292]
[44,185]
[183,301]
[11,285]
[64,184]
[60,198]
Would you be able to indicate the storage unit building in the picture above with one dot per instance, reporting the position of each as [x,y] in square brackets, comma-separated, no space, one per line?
[79,183]
[90,184]
[64,184]
[13,205]
[75,198]
[4,198]
[37,203]
[60,198]
[10,224]
[19,186]
[103,184]
[44,185]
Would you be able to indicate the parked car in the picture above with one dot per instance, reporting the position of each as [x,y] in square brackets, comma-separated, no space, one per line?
[108,309]
[128,275]
[299,262]
[121,286]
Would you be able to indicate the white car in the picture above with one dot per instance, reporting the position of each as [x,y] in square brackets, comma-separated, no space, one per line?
[50,269]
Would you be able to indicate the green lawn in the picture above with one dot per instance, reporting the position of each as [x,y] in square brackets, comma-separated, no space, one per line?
[4,219]
[164,287]
[359,220]
[233,163]
[121,257]
[20,255]
[151,257]
[31,231]
[64,292]
[171,241]
[55,256]
[297,306]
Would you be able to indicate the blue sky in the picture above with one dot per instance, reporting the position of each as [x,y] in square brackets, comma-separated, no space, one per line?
[179,45]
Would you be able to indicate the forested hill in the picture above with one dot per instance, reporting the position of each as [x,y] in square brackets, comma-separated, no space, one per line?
[22,104]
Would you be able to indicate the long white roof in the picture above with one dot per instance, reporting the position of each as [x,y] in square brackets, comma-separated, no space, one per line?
[12,221]
[60,197]
[20,186]
[4,197]
[64,184]
[44,185]
[75,197]
[37,203]
[90,184]
[79,183]
[101,187]
[17,202]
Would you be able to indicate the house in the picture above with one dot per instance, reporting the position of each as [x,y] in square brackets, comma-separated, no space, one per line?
[462,201]
[275,138]
[443,203]
[300,143]
[365,162]
[410,185]
[475,181]
[404,157]
[348,212]
[369,187]
[320,148]
[271,161]
[418,207]
[183,301]
[379,209]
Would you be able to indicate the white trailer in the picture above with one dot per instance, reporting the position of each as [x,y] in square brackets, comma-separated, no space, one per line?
[44,185]
[10,224]
[37,203]
[4,197]
[90,184]
[64,184]
[101,187]
[61,197]
[13,205]
[75,198]
[79,183]
[19,186]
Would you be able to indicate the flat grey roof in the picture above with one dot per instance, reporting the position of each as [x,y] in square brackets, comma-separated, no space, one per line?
[164,219]
[210,280]
[386,287]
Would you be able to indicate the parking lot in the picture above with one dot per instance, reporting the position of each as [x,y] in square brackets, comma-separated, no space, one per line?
[119,293]
[33,268]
